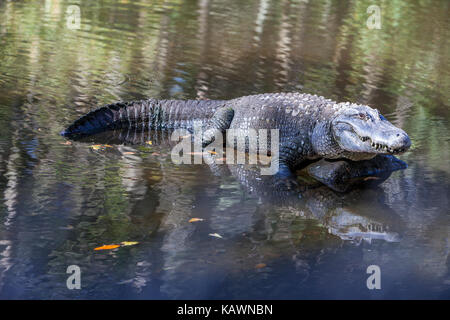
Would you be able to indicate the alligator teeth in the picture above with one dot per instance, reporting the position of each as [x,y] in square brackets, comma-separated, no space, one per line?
[381,147]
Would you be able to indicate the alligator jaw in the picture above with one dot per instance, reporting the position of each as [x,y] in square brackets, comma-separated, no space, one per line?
[383,148]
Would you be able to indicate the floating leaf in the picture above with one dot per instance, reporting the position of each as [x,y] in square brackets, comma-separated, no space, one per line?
[128,152]
[195,220]
[67,143]
[216,235]
[100,146]
[260,265]
[212,152]
[108,247]
[149,142]
[129,243]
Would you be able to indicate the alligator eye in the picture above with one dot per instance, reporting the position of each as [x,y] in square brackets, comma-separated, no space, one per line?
[362,116]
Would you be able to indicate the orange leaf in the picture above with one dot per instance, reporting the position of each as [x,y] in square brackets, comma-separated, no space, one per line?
[127,152]
[108,247]
[260,265]
[195,220]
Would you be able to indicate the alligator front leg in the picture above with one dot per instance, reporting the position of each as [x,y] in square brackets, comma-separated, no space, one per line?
[285,178]
[289,157]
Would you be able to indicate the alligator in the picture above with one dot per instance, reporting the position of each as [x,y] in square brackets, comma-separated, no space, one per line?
[310,127]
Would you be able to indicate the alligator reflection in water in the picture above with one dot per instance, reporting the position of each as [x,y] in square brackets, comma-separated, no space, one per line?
[353,215]
[259,222]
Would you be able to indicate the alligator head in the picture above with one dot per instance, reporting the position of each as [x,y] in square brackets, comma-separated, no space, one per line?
[361,132]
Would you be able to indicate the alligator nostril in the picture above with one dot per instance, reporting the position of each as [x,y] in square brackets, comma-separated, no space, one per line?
[402,143]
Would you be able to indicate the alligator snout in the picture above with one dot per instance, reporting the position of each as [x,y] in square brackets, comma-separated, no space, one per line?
[389,139]
[401,141]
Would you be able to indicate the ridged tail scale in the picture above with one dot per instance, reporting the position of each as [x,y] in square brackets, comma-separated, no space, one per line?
[116,116]
[145,114]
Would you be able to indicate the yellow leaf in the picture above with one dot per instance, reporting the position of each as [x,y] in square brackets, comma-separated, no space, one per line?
[212,152]
[216,235]
[149,142]
[260,265]
[195,220]
[108,247]
[100,146]
[129,243]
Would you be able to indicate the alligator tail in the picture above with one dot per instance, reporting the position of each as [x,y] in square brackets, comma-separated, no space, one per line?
[145,114]
[114,116]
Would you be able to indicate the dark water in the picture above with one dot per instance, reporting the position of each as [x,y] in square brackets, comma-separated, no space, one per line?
[60,201]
